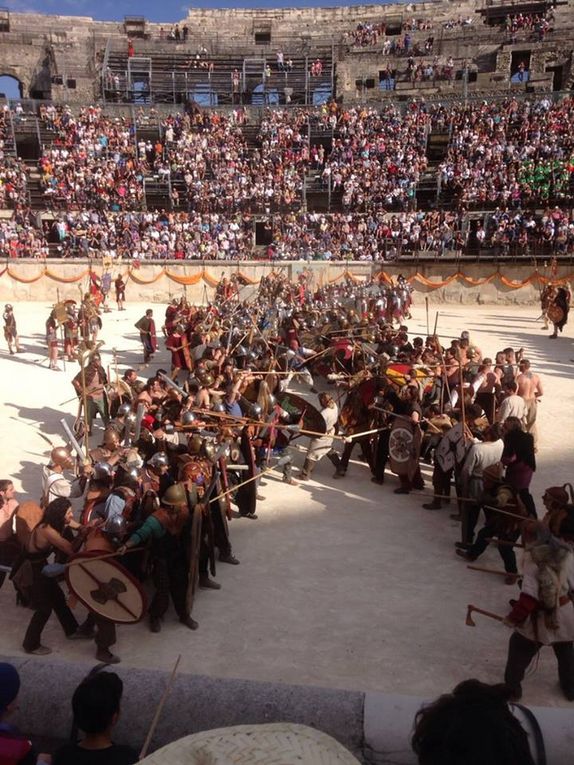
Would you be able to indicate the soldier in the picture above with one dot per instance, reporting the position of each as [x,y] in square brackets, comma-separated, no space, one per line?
[54,482]
[166,529]
[146,327]
[120,287]
[10,330]
[95,380]
[52,341]
[544,612]
[71,331]
[322,446]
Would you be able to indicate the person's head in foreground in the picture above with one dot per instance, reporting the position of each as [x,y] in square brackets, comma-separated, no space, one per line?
[473,725]
[96,703]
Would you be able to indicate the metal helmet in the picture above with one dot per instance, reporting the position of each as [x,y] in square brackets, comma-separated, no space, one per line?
[169,428]
[209,450]
[158,460]
[61,457]
[116,526]
[256,410]
[218,407]
[111,438]
[130,418]
[133,460]
[124,409]
[188,418]
[194,444]
[175,496]
[103,470]
[272,400]
[241,350]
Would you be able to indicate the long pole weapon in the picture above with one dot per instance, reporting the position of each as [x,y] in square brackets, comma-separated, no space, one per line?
[159,709]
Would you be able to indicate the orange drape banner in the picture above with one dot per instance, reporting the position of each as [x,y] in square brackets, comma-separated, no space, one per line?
[24,279]
[534,278]
[66,279]
[381,276]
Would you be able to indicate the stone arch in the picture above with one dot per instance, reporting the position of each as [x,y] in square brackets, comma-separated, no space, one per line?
[11,86]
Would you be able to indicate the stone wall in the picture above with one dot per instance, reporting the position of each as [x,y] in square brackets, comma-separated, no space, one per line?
[26,280]
[39,48]
[376,727]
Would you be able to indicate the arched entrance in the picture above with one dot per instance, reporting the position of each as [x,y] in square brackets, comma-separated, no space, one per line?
[10,87]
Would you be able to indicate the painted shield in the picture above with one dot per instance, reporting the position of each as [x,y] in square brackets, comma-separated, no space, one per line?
[404,447]
[444,455]
[297,405]
[106,588]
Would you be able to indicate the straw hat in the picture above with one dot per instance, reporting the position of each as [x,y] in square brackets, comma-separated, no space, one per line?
[279,743]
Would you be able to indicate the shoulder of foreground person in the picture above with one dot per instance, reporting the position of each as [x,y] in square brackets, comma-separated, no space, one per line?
[116,754]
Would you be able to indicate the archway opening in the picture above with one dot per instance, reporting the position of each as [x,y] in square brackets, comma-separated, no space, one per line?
[10,87]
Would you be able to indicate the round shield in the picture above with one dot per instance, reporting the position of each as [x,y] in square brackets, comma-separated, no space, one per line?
[106,588]
[297,405]
[400,444]
[555,313]
[444,456]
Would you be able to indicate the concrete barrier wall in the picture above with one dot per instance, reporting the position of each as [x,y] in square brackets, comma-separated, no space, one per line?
[376,727]
[28,280]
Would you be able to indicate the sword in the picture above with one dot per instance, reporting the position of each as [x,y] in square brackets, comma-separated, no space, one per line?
[138,423]
[73,441]
[168,381]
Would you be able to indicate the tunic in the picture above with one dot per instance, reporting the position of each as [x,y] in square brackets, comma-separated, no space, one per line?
[320,446]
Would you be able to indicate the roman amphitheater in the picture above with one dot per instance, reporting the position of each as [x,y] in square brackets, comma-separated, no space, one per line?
[350,154]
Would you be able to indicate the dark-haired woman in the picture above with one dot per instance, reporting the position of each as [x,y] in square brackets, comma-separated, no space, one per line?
[47,596]
[520,461]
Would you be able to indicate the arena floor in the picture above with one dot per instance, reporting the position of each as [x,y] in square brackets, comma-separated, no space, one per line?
[341,583]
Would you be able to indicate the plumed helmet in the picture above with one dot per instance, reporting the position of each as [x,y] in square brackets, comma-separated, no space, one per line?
[116,526]
[124,409]
[61,457]
[187,418]
[158,460]
[175,496]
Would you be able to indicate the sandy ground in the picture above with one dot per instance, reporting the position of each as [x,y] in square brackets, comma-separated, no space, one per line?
[341,583]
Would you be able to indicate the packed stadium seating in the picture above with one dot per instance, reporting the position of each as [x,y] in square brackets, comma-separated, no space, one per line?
[199,146]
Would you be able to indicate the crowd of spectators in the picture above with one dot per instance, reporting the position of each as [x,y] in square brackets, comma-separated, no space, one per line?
[13,175]
[514,153]
[535,25]
[92,161]
[381,236]
[220,171]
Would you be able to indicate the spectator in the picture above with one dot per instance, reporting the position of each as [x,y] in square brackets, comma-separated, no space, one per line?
[15,749]
[473,725]
[96,707]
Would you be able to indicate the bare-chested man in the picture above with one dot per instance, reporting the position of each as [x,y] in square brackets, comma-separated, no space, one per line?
[530,388]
